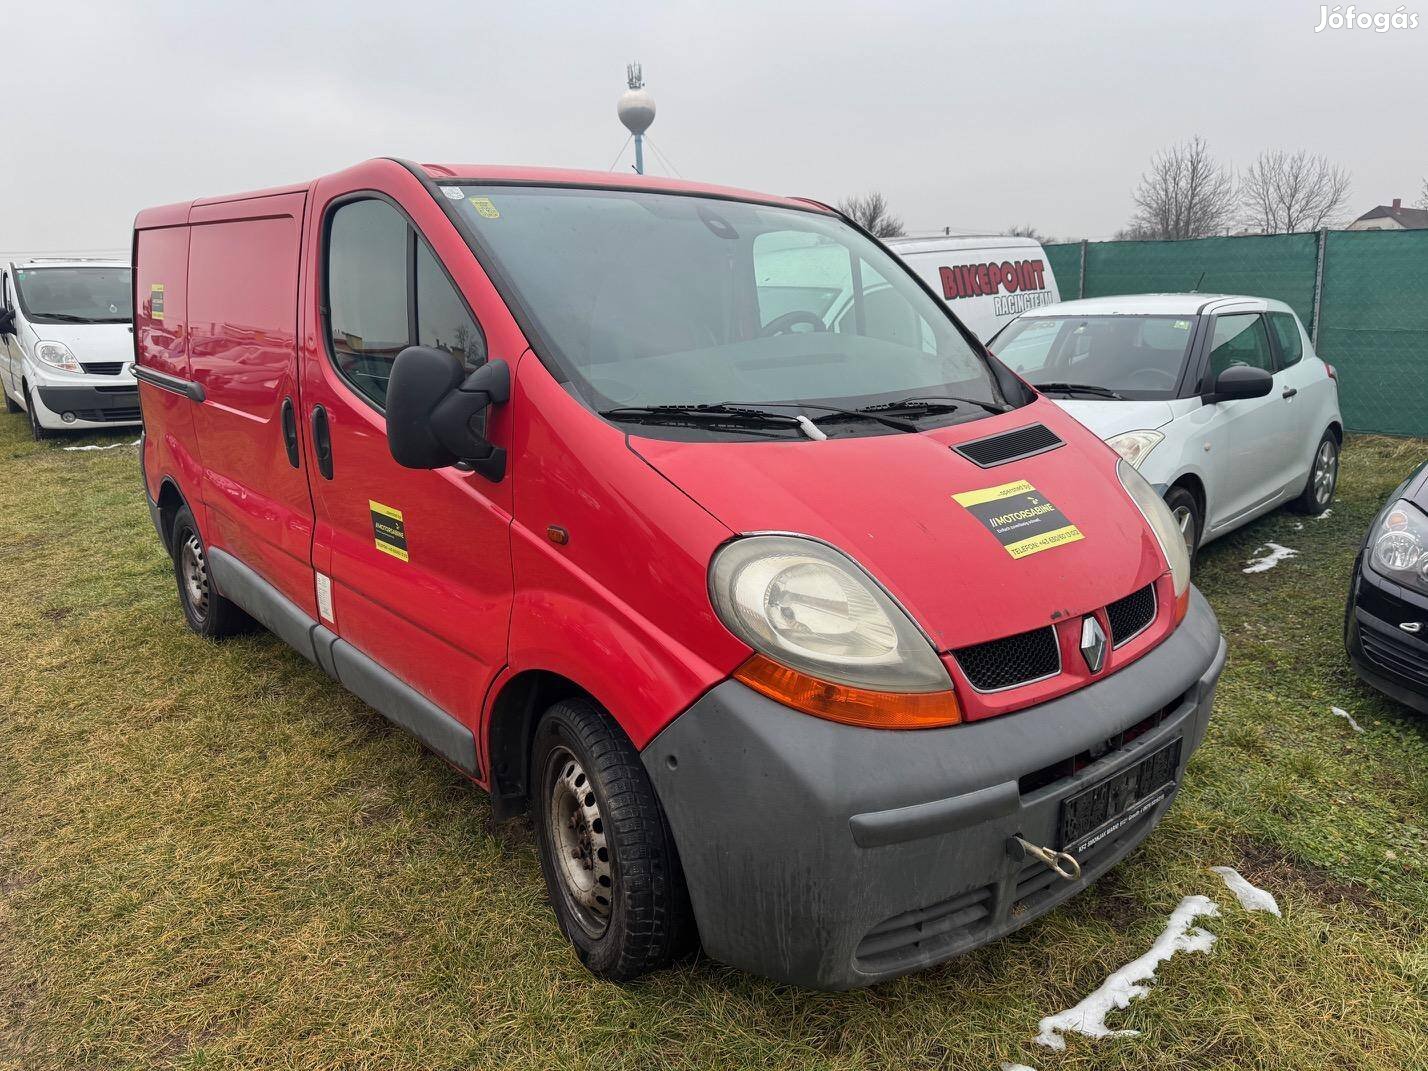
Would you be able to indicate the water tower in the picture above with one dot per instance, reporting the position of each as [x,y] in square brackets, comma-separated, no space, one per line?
[637,112]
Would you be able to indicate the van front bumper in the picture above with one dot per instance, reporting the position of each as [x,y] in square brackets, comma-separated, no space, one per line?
[108,404]
[831,856]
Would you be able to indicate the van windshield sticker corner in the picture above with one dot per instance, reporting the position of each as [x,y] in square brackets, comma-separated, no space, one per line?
[389,531]
[1020,516]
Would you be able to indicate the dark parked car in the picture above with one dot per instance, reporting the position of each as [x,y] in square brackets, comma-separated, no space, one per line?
[1386,621]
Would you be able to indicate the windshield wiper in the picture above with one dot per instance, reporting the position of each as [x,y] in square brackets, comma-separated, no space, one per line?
[1078,388]
[712,413]
[934,403]
[64,317]
[834,410]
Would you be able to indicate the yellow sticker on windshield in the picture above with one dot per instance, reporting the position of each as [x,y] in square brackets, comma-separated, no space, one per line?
[484,207]
[1181,325]
[1020,516]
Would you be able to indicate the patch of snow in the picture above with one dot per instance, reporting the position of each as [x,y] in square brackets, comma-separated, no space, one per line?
[1016,1067]
[1342,713]
[1323,515]
[1251,897]
[1132,981]
[111,446]
[1299,526]
[1268,561]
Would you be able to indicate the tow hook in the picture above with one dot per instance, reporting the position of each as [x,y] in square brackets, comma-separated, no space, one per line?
[1063,864]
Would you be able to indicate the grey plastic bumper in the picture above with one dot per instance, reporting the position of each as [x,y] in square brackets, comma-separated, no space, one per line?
[831,856]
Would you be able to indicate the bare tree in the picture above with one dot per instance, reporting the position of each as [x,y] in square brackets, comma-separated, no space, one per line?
[1186,193]
[1283,193]
[1026,230]
[870,211]
[1423,195]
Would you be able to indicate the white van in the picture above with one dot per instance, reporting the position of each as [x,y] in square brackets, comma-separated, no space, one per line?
[67,344]
[987,281]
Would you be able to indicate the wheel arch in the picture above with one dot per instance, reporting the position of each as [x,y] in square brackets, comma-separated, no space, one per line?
[1195,484]
[169,502]
[510,728]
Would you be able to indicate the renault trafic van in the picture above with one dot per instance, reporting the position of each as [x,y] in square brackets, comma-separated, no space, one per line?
[834,647]
[987,280]
[66,344]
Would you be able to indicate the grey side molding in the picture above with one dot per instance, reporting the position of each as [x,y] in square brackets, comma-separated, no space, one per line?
[361,675]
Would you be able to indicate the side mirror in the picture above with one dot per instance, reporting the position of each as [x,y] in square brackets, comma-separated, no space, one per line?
[436,413]
[1241,381]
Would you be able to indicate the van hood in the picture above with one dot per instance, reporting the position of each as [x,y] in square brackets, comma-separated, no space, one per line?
[90,342]
[887,501]
[1109,418]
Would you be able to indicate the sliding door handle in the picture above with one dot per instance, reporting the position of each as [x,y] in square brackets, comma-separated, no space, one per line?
[322,441]
[290,436]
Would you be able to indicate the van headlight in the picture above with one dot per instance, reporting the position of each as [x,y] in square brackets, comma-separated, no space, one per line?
[1162,522]
[56,355]
[1400,545]
[828,639]
[1135,446]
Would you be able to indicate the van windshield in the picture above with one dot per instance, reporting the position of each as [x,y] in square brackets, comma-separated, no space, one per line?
[75,295]
[654,299]
[1138,357]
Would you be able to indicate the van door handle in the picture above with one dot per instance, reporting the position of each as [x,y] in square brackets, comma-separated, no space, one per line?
[322,441]
[1290,392]
[290,439]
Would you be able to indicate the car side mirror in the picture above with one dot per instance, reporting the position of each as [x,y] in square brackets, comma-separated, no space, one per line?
[1241,381]
[436,413]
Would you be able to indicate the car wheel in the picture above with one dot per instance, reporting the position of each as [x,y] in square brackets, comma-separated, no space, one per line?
[606,850]
[37,430]
[1318,493]
[1186,511]
[204,610]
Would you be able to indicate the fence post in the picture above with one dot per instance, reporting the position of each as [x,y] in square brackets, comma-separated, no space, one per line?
[1081,276]
[1318,289]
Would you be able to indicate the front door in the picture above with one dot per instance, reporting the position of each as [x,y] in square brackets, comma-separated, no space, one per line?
[418,562]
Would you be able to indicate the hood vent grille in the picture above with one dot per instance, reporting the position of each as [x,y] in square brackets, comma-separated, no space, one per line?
[1010,446]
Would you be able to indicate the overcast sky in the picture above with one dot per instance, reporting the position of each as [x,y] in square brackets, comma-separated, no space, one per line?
[974,116]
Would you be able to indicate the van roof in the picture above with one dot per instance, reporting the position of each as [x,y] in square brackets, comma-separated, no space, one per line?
[952,242]
[495,174]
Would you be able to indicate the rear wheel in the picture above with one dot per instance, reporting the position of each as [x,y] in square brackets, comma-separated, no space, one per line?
[1186,510]
[607,853]
[37,430]
[204,610]
[1318,493]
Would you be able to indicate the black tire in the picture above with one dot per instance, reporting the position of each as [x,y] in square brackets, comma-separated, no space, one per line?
[37,431]
[1323,481]
[204,610]
[1186,509]
[606,850]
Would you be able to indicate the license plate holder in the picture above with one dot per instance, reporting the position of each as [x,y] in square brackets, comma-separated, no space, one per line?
[1118,801]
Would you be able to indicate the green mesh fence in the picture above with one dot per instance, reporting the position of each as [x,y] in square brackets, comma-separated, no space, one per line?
[1373,302]
[1374,328]
[1065,260]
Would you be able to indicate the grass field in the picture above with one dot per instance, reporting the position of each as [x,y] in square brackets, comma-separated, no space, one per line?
[212,857]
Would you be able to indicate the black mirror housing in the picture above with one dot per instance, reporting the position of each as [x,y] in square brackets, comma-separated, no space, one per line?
[436,412]
[1241,381]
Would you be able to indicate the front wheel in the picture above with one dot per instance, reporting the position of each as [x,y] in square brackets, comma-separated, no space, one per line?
[37,430]
[1186,511]
[607,853]
[1318,493]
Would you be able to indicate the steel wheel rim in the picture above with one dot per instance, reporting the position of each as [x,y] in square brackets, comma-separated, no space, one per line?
[575,830]
[1185,521]
[193,570]
[1326,472]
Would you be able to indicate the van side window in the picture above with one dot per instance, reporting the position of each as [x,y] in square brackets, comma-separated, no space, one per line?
[1240,340]
[367,271]
[442,320]
[1286,333]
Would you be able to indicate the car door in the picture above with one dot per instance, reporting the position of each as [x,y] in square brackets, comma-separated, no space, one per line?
[416,563]
[1249,439]
[8,345]
[1300,384]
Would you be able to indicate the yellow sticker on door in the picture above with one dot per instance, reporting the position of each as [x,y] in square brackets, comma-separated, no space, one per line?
[389,532]
[1020,517]
[156,301]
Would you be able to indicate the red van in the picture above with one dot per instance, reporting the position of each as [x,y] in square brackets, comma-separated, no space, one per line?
[691,521]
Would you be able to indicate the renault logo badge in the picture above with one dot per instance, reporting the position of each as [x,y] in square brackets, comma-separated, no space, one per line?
[1093,644]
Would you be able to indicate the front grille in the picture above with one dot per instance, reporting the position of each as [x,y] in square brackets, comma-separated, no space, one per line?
[1010,445]
[1397,656]
[111,416]
[913,936]
[1011,662]
[1132,615]
[103,368]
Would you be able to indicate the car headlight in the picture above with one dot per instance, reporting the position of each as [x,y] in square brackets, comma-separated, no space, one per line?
[1162,522]
[828,639]
[57,355]
[1135,446]
[1400,545]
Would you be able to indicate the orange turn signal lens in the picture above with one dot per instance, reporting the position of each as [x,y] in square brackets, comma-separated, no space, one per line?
[843,703]
[1182,605]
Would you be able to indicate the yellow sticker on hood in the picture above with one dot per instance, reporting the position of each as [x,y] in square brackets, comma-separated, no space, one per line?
[1020,516]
